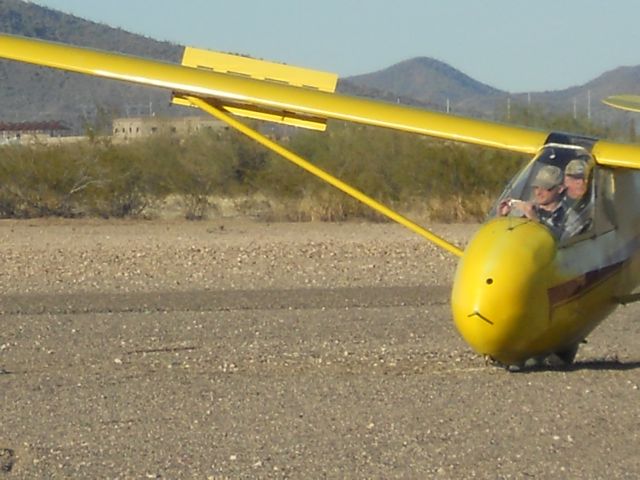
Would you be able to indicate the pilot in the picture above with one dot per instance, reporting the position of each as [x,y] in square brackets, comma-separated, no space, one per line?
[547,206]
[577,202]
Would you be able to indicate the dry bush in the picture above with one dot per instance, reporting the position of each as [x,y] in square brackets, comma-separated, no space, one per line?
[441,180]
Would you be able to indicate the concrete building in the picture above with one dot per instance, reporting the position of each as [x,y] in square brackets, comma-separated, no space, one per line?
[125,129]
[31,132]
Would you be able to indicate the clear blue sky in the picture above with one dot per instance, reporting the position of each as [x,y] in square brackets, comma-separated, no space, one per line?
[514,45]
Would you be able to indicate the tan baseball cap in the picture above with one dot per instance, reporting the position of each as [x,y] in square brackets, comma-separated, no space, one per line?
[576,168]
[548,177]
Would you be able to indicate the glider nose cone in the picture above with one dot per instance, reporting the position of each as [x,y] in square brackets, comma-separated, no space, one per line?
[500,288]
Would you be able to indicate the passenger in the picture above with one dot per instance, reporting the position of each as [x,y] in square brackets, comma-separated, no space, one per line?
[547,206]
[575,181]
[577,202]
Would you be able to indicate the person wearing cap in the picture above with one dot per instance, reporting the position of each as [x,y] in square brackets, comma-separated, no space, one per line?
[577,202]
[547,206]
[575,181]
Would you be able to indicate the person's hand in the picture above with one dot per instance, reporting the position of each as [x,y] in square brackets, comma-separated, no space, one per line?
[527,209]
[505,207]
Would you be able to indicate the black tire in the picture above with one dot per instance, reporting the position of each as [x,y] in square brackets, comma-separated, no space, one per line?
[568,355]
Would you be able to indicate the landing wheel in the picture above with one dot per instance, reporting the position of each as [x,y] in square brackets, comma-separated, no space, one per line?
[568,355]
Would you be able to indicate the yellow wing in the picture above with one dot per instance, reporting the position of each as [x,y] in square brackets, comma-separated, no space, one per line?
[237,90]
[273,97]
[624,102]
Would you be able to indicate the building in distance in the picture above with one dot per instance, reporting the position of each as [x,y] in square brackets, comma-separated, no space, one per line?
[32,132]
[131,128]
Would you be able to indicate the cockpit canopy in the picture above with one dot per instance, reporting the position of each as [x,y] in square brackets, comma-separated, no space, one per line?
[560,156]
[551,154]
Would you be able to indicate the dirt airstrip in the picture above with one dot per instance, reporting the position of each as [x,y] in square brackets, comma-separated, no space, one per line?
[237,349]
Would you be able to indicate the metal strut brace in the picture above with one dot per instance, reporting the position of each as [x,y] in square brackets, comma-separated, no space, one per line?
[309,167]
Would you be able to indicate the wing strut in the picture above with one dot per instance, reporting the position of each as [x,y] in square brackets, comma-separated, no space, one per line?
[335,182]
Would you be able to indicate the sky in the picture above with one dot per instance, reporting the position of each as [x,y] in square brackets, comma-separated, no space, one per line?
[513,45]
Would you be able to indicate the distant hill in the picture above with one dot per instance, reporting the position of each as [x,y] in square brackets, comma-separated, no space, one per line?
[434,84]
[30,93]
[426,80]
[588,96]
[35,93]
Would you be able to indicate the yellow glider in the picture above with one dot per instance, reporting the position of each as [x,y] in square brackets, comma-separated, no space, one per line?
[520,292]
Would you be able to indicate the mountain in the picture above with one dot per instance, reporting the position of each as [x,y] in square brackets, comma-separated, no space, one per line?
[433,84]
[588,97]
[29,93]
[426,80]
[427,83]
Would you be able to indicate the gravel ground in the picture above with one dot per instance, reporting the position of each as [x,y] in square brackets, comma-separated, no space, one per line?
[97,256]
[232,349]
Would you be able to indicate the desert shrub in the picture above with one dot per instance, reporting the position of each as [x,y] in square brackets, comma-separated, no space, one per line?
[38,181]
[126,179]
[206,165]
[397,169]
[438,179]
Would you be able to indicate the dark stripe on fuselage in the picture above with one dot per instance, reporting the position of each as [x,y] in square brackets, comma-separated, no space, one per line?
[580,285]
